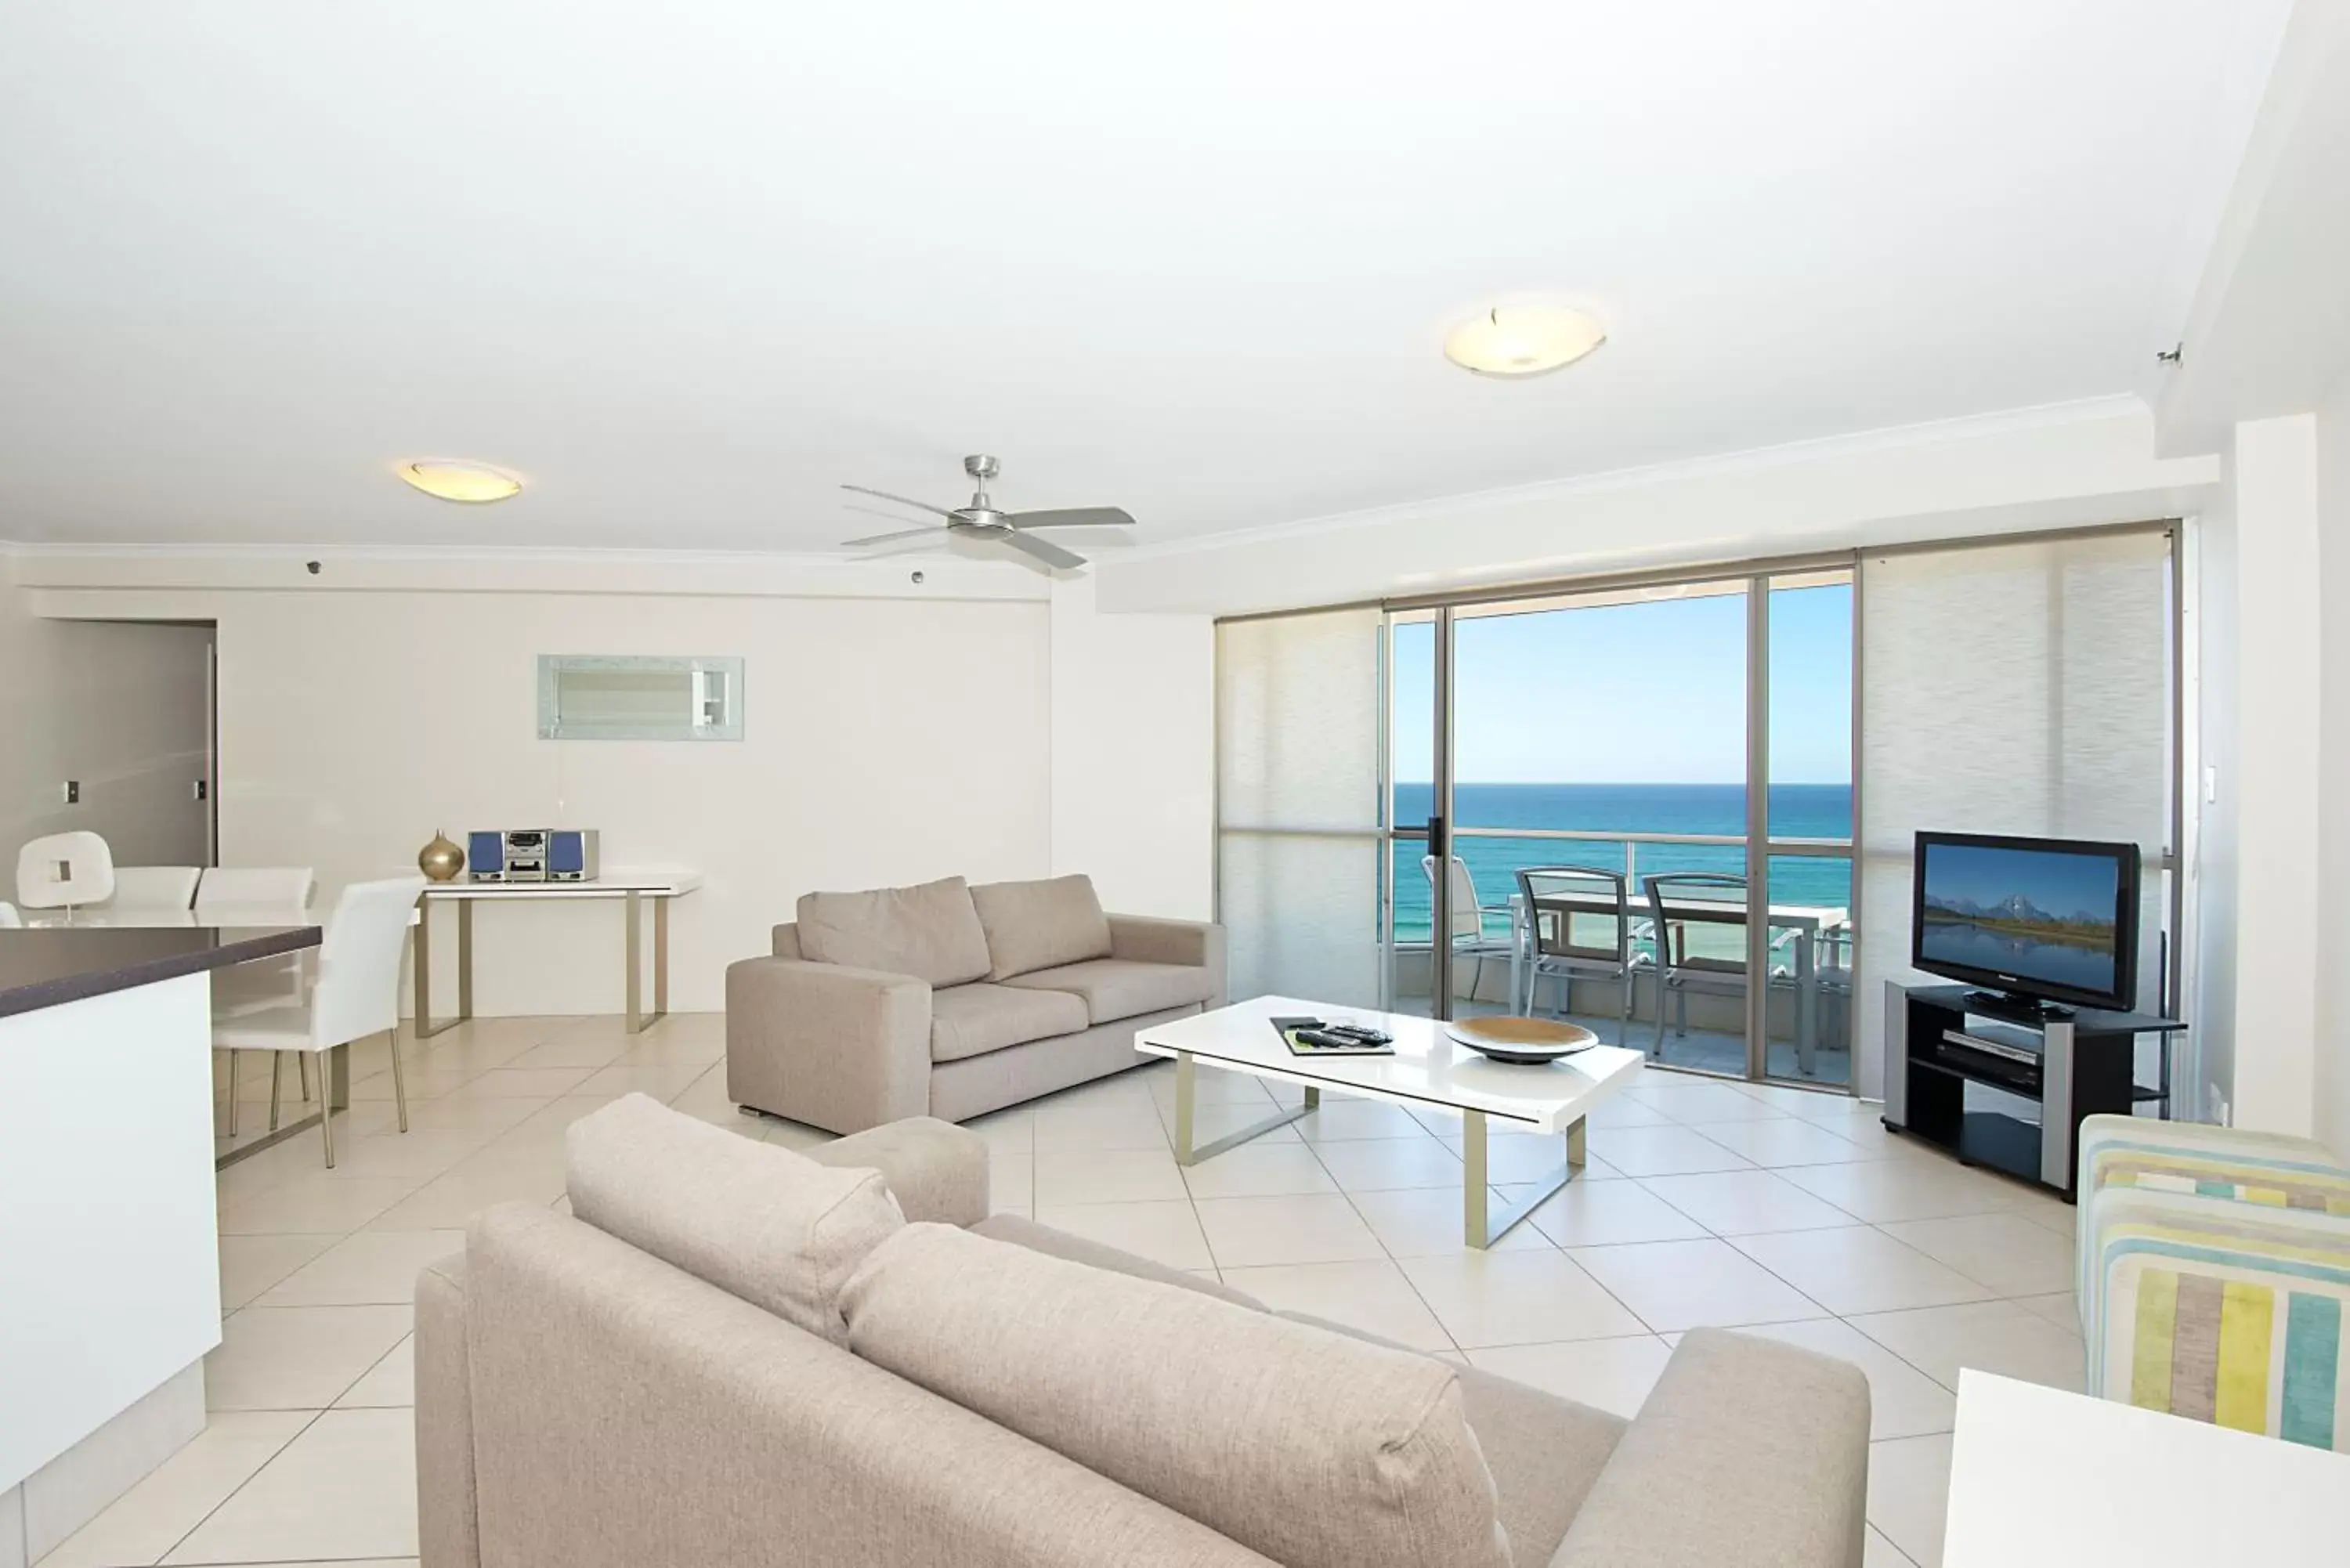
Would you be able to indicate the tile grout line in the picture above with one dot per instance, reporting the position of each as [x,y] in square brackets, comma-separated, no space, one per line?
[275,1454]
[1847,1320]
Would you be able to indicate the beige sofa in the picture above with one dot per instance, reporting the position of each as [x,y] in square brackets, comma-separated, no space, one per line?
[951,1000]
[745,1356]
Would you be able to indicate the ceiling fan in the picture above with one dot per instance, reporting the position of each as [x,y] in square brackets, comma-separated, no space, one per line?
[982,519]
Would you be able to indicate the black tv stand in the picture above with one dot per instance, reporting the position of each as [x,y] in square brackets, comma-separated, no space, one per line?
[2059,1066]
[2016,1009]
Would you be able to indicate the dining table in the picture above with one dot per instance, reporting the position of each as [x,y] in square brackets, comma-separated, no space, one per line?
[1811,925]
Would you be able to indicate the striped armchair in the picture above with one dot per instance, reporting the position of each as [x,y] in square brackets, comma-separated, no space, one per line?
[2213,1276]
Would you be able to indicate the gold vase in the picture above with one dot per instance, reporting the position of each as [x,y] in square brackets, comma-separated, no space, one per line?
[440,860]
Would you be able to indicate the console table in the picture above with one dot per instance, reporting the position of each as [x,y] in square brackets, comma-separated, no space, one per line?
[1937,1041]
[634,889]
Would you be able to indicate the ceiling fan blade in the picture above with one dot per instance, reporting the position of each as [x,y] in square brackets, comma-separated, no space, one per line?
[1050,555]
[900,500]
[888,538]
[1074,517]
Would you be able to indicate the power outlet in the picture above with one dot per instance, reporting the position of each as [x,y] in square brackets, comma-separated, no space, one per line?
[2217,1103]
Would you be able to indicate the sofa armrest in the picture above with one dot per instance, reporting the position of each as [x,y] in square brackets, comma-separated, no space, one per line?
[1146,939]
[936,1170]
[1748,1451]
[448,1524]
[838,1048]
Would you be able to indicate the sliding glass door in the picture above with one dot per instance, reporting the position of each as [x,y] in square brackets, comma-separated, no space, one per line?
[1631,807]
[1584,766]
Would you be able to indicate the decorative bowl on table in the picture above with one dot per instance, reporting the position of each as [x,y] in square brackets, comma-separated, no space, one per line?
[1522,1042]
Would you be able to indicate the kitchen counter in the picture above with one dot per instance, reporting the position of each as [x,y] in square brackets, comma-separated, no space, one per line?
[107,1204]
[44,968]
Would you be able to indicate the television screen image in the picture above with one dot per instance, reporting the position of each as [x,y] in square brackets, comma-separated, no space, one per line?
[2041,920]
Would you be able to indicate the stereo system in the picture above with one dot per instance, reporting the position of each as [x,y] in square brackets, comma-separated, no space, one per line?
[531,855]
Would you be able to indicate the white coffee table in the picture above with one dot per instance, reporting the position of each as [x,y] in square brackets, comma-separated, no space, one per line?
[1428,1069]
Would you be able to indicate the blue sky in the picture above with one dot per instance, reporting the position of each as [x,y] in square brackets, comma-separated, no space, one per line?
[1637,693]
[2059,884]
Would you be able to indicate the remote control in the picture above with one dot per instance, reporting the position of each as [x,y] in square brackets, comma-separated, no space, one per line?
[1368,1036]
[1328,1037]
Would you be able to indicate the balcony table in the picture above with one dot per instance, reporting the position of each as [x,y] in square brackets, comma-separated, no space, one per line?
[1809,922]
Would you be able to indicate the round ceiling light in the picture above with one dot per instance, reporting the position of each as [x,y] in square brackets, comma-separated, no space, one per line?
[1512,340]
[454,481]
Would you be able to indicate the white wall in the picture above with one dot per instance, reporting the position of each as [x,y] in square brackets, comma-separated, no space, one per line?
[2032,469]
[119,709]
[2278,710]
[887,740]
[981,724]
[2331,1075]
[1134,755]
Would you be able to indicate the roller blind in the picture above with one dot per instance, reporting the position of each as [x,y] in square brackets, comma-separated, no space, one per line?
[2016,688]
[1298,840]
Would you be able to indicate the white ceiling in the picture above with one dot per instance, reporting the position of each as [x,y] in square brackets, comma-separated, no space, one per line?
[686,267]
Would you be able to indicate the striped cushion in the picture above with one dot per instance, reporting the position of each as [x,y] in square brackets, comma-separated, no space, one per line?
[2214,1275]
[2131,1222]
[2126,1161]
[2252,1344]
[2192,1137]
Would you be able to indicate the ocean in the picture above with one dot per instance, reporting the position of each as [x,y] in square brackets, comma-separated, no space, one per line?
[1797,810]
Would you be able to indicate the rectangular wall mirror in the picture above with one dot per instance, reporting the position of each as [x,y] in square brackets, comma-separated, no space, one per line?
[639,697]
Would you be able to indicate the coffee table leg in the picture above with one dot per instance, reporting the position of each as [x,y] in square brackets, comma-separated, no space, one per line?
[1187,1088]
[1482,1229]
[1472,1180]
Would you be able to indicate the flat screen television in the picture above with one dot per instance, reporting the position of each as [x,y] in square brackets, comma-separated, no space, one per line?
[2041,920]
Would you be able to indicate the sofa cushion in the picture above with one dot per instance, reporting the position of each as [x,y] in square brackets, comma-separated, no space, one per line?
[1123,988]
[972,1019]
[1758,1451]
[931,931]
[770,1226]
[1544,1451]
[1037,925]
[1315,1450]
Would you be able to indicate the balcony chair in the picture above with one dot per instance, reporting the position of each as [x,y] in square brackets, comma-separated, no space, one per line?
[1579,920]
[1681,970]
[354,993]
[1469,913]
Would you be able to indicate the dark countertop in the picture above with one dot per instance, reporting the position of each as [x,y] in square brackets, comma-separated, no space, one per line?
[41,968]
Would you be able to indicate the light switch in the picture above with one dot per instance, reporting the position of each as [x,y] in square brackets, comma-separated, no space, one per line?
[73,792]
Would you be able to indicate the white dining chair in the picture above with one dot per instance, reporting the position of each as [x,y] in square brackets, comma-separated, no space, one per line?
[8,921]
[62,870]
[256,895]
[165,888]
[354,993]
[256,886]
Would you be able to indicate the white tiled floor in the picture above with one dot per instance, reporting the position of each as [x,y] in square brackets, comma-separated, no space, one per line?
[1784,1213]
